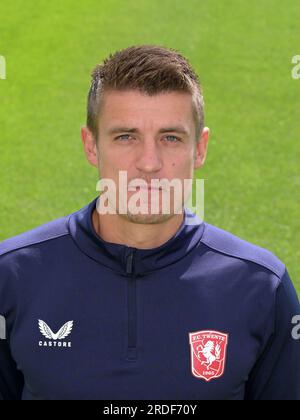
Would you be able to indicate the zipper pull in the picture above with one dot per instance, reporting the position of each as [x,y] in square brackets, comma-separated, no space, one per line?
[129,263]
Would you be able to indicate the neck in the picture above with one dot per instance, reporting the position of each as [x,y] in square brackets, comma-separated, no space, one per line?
[116,229]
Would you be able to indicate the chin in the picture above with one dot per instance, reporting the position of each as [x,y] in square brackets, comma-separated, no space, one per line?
[147,219]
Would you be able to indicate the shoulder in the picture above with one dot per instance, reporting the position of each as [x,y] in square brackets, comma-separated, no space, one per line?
[26,257]
[226,243]
[42,234]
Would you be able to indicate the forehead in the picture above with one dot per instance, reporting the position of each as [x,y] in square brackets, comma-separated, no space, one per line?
[135,107]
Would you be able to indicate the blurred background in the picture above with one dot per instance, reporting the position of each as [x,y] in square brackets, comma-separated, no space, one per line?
[243,54]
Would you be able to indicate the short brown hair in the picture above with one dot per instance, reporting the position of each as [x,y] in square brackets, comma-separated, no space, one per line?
[151,69]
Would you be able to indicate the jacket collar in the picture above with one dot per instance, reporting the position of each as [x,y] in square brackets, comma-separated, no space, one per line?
[115,256]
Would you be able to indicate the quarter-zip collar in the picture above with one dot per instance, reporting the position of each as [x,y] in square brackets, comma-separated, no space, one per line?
[115,255]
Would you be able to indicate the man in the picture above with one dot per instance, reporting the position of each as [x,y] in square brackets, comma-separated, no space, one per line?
[144,305]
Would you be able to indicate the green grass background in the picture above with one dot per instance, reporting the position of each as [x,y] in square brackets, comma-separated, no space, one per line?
[242,52]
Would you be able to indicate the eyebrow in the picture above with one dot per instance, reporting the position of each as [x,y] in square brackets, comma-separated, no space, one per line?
[174,129]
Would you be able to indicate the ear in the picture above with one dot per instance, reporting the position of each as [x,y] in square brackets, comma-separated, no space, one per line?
[201,148]
[90,146]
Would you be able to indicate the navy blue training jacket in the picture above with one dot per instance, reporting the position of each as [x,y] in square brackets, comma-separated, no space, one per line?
[206,315]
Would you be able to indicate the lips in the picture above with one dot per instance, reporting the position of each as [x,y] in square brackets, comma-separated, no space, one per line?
[137,188]
[150,188]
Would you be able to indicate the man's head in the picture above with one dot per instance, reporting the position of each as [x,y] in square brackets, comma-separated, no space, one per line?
[145,116]
[149,69]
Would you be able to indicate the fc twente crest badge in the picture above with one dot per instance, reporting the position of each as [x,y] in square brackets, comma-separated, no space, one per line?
[208,354]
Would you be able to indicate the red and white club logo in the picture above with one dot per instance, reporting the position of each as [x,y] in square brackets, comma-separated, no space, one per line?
[208,354]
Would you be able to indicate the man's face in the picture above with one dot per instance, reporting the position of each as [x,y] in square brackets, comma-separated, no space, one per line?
[149,137]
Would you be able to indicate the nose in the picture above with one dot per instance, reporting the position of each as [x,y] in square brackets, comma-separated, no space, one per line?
[148,159]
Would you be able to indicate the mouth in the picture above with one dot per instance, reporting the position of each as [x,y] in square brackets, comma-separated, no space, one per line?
[142,188]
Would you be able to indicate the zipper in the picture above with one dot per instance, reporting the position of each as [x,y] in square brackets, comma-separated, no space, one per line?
[131,353]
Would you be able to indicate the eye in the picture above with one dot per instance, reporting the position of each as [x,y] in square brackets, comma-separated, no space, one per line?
[173,139]
[123,137]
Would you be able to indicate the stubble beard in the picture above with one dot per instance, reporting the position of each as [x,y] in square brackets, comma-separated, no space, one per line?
[146,219]
[155,218]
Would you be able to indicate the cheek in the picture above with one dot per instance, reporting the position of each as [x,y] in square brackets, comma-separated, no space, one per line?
[115,161]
